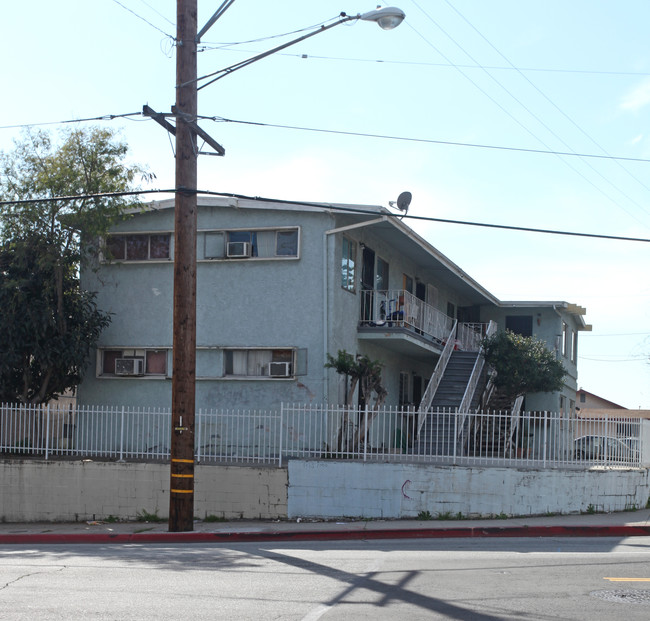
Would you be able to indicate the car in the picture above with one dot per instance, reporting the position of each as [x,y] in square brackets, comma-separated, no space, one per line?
[633,444]
[598,448]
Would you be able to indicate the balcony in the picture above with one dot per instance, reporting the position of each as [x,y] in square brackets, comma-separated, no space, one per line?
[402,322]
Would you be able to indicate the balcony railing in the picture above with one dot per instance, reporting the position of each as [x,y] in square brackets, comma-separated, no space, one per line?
[400,309]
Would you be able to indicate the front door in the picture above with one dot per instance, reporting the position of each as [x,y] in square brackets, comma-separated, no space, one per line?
[367,283]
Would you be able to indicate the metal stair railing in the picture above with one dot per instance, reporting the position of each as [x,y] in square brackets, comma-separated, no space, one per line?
[434,382]
[514,422]
[466,401]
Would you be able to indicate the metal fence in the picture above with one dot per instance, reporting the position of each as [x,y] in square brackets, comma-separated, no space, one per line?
[532,439]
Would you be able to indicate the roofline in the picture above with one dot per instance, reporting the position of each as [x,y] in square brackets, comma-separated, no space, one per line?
[446,261]
[372,211]
[576,311]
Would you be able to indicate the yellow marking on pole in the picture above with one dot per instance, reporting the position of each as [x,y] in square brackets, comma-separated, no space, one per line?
[183,476]
[182,491]
[628,579]
[182,461]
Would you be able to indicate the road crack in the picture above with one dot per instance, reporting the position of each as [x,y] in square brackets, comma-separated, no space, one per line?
[6,585]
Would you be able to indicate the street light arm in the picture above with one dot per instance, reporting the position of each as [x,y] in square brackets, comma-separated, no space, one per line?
[387,19]
[222,73]
[218,13]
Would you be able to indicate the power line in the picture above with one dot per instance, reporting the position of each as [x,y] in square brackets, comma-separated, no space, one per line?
[425,140]
[564,114]
[530,112]
[329,206]
[105,117]
[227,45]
[591,334]
[146,21]
[169,21]
[640,358]
[227,48]
[220,119]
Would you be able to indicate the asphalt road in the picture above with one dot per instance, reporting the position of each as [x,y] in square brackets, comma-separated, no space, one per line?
[479,579]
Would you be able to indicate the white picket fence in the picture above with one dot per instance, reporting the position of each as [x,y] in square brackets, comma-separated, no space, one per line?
[539,439]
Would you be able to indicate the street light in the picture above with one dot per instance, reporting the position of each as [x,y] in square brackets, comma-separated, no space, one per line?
[181,497]
[388,17]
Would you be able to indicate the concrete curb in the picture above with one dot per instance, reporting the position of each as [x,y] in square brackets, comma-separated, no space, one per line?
[324,535]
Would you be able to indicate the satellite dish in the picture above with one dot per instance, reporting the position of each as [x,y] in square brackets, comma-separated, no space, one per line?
[403,201]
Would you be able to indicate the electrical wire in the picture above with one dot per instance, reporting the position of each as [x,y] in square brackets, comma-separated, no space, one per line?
[329,206]
[126,8]
[622,334]
[221,119]
[226,45]
[155,10]
[639,358]
[105,117]
[447,65]
[530,112]
[564,114]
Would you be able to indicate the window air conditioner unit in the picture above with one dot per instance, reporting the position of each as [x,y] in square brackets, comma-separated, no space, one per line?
[238,250]
[129,366]
[279,369]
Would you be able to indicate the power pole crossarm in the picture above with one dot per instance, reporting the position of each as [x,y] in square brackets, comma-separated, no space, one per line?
[159,117]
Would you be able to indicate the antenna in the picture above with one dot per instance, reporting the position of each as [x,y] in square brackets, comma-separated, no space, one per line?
[403,202]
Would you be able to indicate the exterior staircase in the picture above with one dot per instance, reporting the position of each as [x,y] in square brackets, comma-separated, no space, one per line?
[495,435]
[438,435]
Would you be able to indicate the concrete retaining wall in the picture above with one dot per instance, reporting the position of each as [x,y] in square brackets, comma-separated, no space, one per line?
[373,490]
[32,490]
[85,490]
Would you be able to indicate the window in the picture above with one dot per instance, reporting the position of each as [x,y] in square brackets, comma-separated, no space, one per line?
[138,247]
[574,346]
[348,263]
[432,295]
[381,279]
[520,324]
[132,362]
[259,362]
[248,237]
[565,339]
[286,243]
[247,244]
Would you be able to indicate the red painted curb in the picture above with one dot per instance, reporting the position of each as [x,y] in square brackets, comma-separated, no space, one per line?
[326,535]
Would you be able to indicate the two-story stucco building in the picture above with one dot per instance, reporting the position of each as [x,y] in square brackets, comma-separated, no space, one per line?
[282,285]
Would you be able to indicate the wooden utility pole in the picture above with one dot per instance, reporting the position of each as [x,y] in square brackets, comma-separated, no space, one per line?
[181,497]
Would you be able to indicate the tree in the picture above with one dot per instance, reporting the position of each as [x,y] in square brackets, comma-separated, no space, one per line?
[365,373]
[522,364]
[87,162]
[48,322]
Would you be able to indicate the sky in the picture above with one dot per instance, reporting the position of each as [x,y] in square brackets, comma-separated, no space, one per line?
[488,112]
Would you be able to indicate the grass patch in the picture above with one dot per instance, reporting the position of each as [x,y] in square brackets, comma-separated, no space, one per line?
[214,518]
[145,516]
[425,515]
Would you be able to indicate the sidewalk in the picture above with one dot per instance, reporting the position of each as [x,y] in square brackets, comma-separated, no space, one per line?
[623,524]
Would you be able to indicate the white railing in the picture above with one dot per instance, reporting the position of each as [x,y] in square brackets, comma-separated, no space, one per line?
[466,402]
[470,335]
[436,377]
[401,309]
[326,432]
